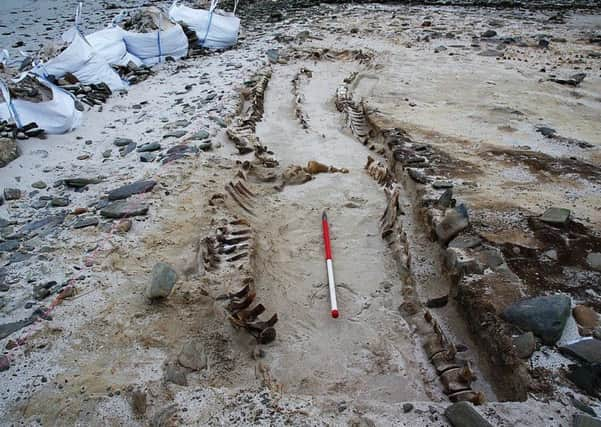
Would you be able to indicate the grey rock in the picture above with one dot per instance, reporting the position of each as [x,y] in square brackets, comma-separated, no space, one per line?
[586,349]
[581,420]
[12,193]
[417,175]
[446,199]
[39,185]
[407,407]
[124,151]
[491,53]
[463,414]
[8,151]
[39,204]
[524,345]
[546,316]
[488,34]
[205,146]
[454,221]
[556,216]
[593,259]
[122,142]
[200,135]
[465,242]
[9,246]
[80,182]
[546,131]
[439,185]
[147,157]
[175,374]
[128,190]
[151,146]
[587,377]
[40,292]
[42,226]
[59,202]
[162,282]
[107,153]
[273,55]
[175,134]
[85,222]
[583,407]
[193,356]
[124,209]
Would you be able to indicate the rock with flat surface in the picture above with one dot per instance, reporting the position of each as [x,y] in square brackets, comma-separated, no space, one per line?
[581,420]
[556,216]
[127,190]
[586,349]
[463,414]
[124,209]
[162,281]
[193,356]
[546,316]
[454,221]
[8,151]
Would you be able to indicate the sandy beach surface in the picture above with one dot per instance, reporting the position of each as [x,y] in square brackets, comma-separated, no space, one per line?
[456,106]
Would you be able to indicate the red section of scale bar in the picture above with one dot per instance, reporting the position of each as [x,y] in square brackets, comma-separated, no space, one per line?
[326,236]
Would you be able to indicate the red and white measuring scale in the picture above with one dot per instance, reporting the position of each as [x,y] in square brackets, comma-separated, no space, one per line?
[332,286]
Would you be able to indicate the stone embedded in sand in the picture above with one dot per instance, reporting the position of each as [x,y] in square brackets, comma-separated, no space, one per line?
[192,356]
[122,142]
[586,316]
[12,193]
[151,146]
[162,282]
[594,260]
[556,216]
[488,34]
[581,420]
[546,316]
[454,221]
[80,182]
[463,414]
[59,202]
[524,345]
[587,349]
[8,151]
[86,222]
[175,374]
[127,190]
[124,209]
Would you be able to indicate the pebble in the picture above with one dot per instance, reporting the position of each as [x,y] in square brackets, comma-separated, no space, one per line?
[585,316]
[39,185]
[12,194]
[556,216]
[128,190]
[147,157]
[122,142]
[152,146]
[59,202]
[175,134]
[524,345]
[85,222]
[463,414]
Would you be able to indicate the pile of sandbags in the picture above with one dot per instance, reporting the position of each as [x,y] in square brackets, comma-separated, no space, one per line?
[150,35]
[215,29]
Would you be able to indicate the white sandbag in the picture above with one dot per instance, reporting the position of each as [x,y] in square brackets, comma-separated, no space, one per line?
[214,30]
[81,60]
[109,44]
[56,116]
[154,47]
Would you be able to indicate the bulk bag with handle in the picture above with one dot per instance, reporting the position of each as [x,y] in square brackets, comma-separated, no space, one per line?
[109,44]
[153,47]
[81,60]
[214,30]
[56,116]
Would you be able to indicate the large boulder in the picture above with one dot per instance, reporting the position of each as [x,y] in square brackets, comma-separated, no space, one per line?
[8,151]
[545,316]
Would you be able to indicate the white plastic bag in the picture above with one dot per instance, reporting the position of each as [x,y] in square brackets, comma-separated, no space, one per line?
[155,46]
[56,116]
[109,44]
[214,30]
[81,60]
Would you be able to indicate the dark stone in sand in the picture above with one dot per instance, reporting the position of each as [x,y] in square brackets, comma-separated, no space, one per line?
[587,377]
[152,146]
[42,226]
[583,407]
[122,142]
[125,191]
[12,193]
[546,316]
[437,302]
[556,216]
[80,182]
[491,53]
[175,374]
[546,131]
[59,202]
[124,209]
[524,345]
[201,134]
[581,420]
[407,407]
[147,157]
[9,246]
[39,204]
[40,292]
[124,151]
[85,222]
[175,134]
[574,80]
[488,34]
[463,414]
[586,349]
